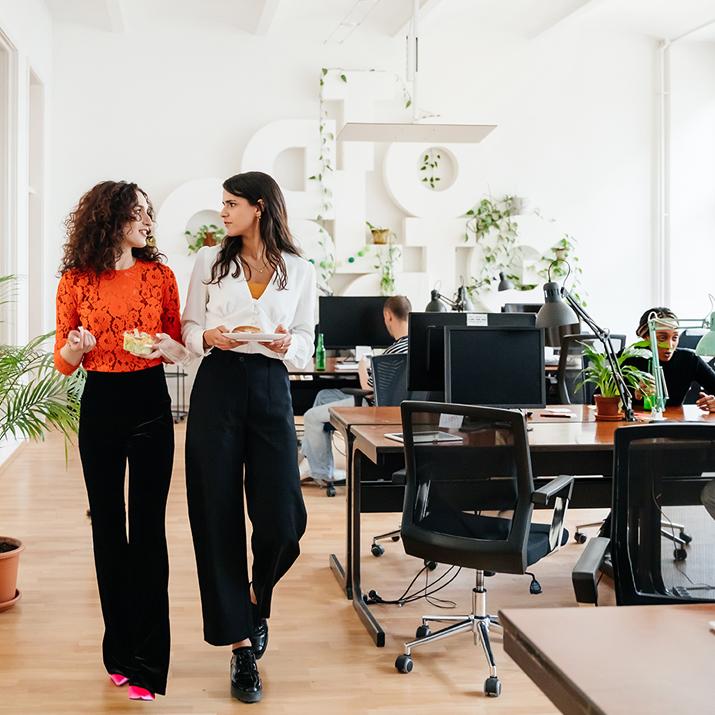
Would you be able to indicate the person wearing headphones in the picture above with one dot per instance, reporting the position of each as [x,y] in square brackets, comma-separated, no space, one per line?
[681,367]
[316,445]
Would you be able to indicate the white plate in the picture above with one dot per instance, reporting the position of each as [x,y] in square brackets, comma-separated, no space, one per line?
[254,337]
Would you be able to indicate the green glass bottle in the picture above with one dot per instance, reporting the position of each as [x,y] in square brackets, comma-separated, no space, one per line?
[320,354]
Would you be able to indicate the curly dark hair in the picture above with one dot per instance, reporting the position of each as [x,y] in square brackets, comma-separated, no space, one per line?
[255,186]
[95,228]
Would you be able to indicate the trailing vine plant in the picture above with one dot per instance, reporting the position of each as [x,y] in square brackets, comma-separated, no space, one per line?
[564,250]
[429,168]
[491,224]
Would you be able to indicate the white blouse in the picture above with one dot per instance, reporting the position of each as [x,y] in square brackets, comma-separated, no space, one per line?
[230,303]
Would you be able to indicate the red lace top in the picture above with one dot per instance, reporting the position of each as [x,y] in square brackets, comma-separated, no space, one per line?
[144,296]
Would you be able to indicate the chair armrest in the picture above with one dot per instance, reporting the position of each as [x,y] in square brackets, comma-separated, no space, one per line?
[359,394]
[584,576]
[555,487]
[399,477]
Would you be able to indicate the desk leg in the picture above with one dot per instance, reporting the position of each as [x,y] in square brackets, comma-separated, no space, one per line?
[344,575]
[369,621]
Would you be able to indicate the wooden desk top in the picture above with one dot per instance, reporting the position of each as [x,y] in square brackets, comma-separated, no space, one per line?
[330,369]
[546,434]
[628,659]
[347,416]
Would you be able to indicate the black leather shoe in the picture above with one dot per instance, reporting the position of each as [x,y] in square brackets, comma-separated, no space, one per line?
[245,681]
[259,639]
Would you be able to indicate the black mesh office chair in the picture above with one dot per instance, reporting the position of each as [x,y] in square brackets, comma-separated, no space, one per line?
[454,475]
[690,340]
[655,466]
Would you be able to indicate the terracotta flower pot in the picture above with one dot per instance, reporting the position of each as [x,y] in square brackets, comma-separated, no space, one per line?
[608,408]
[209,239]
[9,561]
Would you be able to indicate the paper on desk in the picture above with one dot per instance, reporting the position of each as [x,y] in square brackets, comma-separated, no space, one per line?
[451,421]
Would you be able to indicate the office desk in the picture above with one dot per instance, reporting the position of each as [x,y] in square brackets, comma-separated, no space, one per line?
[305,384]
[558,446]
[628,659]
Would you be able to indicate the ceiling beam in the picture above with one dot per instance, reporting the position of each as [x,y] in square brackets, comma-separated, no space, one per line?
[265,16]
[402,25]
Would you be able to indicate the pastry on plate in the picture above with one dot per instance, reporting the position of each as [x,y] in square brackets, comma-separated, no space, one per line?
[138,343]
[246,329]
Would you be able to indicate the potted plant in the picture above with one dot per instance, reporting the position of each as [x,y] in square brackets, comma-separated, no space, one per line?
[207,235]
[598,372]
[380,236]
[33,398]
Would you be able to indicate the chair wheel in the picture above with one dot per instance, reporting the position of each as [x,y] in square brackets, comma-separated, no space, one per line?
[330,490]
[377,550]
[492,687]
[423,631]
[404,663]
[579,538]
[535,587]
[680,554]
[686,537]
[431,565]
[395,538]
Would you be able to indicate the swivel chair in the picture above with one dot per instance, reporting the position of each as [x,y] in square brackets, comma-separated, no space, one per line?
[455,474]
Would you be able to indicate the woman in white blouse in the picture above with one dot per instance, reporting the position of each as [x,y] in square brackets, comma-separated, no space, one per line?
[240,430]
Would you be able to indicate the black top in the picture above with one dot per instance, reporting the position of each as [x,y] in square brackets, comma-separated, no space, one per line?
[683,368]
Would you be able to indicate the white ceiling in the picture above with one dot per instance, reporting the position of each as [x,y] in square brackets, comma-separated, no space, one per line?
[357,20]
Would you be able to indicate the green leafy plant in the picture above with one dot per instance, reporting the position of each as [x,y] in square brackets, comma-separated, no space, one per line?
[598,370]
[206,235]
[429,168]
[33,395]
[562,259]
[386,263]
[491,224]
[326,263]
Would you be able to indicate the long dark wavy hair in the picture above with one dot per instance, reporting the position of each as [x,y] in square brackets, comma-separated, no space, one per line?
[95,228]
[255,187]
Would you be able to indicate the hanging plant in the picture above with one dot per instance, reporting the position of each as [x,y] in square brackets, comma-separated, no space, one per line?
[560,256]
[491,224]
[429,168]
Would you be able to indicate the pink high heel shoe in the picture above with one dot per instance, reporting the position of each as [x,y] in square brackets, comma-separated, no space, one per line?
[137,693]
[118,679]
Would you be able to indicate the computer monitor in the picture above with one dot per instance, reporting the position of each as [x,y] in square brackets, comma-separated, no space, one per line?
[425,359]
[522,307]
[347,321]
[500,367]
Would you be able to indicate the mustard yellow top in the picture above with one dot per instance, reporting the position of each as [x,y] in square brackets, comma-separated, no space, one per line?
[257,289]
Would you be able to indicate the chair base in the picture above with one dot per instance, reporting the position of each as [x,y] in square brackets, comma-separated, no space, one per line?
[477,622]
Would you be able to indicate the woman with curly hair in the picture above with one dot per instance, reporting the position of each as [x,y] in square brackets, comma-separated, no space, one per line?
[112,282]
[240,436]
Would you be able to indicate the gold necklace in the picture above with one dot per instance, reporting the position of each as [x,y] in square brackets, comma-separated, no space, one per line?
[254,268]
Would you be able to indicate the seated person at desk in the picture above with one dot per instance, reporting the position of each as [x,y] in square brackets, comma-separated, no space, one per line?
[681,367]
[316,447]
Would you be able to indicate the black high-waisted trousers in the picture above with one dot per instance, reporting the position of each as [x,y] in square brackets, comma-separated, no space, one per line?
[241,437]
[126,417]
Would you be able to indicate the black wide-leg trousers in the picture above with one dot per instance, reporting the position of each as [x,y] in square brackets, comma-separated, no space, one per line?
[126,418]
[240,438]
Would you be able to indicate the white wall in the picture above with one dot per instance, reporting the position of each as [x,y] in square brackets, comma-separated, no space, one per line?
[575,113]
[692,221]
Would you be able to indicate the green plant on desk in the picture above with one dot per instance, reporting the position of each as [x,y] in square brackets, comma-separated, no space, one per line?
[598,370]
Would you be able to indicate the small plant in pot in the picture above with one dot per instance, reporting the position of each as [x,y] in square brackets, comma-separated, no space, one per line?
[34,398]
[206,235]
[598,372]
[380,236]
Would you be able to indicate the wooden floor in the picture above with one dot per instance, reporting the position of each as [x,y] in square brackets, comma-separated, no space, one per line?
[319,658]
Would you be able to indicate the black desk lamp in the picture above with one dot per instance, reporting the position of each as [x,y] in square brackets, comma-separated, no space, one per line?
[561,308]
[504,282]
[439,303]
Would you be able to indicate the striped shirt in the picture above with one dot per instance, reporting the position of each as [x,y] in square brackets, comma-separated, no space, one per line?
[399,346]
